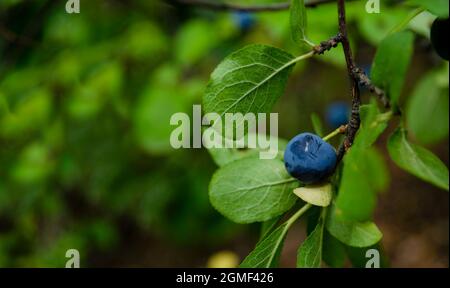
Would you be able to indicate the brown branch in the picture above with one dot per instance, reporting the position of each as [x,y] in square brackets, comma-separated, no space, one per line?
[215,5]
[327,45]
[364,80]
[353,124]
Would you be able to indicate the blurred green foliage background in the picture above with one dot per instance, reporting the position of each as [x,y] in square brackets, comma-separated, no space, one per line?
[85,103]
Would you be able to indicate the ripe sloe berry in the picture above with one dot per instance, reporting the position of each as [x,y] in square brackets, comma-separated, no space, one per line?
[438,35]
[309,158]
[244,20]
[337,114]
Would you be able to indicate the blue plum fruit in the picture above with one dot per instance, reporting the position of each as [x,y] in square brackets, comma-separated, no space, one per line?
[337,114]
[309,158]
[244,20]
[438,35]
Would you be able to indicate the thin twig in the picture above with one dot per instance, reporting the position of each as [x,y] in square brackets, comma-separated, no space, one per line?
[340,130]
[327,45]
[364,80]
[357,73]
[353,124]
[216,5]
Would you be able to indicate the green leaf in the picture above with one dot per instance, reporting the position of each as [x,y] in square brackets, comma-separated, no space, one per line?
[222,156]
[30,114]
[252,190]
[356,199]
[333,251]
[427,112]
[375,27]
[33,164]
[437,7]
[154,108]
[267,252]
[139,47]
[417,160]
[313,217]
[309,254]
[358,258]
[421,24]
[364,171]
[248,81]
[377,172]
[352,233]
[364,174]
[372,125]
[267,226]
[298,21]
[318,195]
[317,124]
[194,40]
[91,96]
[391,63]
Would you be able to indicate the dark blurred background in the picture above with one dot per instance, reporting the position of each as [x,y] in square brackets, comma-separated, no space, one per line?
[85,159]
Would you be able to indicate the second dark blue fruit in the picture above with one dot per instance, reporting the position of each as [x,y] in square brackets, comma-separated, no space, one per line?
[438,35]
[309,159]
[244,20]
[337,114]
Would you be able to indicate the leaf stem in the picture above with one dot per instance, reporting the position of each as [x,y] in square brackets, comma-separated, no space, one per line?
[300,58]
[323,213]
[338,131]
[309,43]
[384,117]
[297,215]
[405,21]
